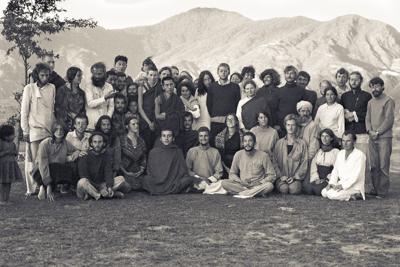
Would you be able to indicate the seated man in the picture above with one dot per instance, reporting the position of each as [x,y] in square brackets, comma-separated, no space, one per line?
[204,161]
[96,173]
[166,168]
[348,174]
[251,173]
[187,138]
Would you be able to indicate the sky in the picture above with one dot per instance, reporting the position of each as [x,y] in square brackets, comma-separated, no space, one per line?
[116,14]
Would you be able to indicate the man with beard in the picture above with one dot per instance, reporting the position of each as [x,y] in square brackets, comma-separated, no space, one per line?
[187,138]
[379,123]
[54,77]
[288,96]
[348,174]
[251,174]
[204,161]
[222,99]
[175,73]
[118,117]
[95,172]
[132,92]
[303,80]
[308,129]
[121,83]
[99,95]
[37,117]
[166,169]
[342,77]
[120,65]
[112,78]
[355,104]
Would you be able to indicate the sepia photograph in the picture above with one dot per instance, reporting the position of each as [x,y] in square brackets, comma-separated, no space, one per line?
[199,133]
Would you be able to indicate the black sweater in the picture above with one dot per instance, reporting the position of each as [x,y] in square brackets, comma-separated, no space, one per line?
[356,100]
[97,168]
[222,99]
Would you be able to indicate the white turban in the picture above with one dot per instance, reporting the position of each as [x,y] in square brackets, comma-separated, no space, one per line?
[303,104]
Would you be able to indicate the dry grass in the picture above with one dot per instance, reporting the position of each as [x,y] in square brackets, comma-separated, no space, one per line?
[200,230]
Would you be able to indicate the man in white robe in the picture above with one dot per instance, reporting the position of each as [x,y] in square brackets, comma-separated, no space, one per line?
[348,174]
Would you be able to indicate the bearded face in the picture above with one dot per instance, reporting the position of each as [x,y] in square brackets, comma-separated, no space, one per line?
[99,77]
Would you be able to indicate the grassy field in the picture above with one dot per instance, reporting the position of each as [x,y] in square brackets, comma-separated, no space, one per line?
[144,230]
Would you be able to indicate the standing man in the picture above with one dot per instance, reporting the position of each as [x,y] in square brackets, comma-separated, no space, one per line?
[303,80]
[342,77]
[222,99]
[379,123]
[99,95]
[54,78]
[288,97]
[37,117]
[120,65]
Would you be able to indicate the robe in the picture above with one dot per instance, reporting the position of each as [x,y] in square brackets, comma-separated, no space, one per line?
[166,171]
[174,110]
[250,110]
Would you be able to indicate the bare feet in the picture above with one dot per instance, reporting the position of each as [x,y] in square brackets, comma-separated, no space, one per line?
[42,193]
[50,195]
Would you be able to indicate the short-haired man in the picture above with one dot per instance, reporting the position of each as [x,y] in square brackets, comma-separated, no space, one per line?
[204,161]
[166,168]
[54,78]
[175,73]
[251,174]
[288,97]
[37,117]
[120,65]
[96,174]
[112,78]
[321,100]
[121,83]
[188,137]
[348,174]
[99,95]
[222,99]
[342,77]
[303,80]
[379,123]
[118,117]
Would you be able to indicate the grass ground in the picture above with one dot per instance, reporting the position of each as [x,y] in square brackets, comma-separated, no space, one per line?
[195,229]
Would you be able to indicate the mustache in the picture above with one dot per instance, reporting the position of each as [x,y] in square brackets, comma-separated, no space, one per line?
[99,82]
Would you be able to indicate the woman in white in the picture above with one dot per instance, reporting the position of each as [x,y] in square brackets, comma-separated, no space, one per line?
[205,80]
[186,90]
[331,114]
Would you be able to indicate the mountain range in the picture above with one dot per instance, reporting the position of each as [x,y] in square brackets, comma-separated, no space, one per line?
[201,38]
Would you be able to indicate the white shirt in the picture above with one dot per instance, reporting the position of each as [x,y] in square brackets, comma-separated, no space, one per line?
[239,110]
[96,104]
[332,117]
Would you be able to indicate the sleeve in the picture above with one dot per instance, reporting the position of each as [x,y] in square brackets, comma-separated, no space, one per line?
[313,170]
[355,174]
[25,109]
[108,172]
[189,162]
[341,122]
[368,118]
[157,112]
[43,162]
[234,171]
[239,115]
[301,171]
[314,144]
[218,166]
[387,123]
[91,101]
[275,161]
[275,139]
[270,175]
[209,101]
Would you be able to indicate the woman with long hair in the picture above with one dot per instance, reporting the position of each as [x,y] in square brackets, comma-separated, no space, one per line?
[205,80]
[186,91]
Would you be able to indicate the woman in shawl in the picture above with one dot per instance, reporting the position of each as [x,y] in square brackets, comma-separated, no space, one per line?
[169,108]
[185,91]
[229,141]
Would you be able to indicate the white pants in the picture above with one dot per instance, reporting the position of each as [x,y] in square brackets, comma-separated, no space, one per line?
[343,195]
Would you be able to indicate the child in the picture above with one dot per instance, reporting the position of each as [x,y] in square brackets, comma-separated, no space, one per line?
[9,170]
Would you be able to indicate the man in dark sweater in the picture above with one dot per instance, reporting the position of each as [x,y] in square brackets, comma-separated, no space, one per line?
[222,99]
[187,138]
[288,97]
[303,79]
[96,173]
[54,77]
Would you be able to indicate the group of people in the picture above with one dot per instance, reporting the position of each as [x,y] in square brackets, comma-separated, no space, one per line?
[165,133]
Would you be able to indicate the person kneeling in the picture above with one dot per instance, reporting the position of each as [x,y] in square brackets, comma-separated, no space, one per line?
[96,173]
[251,174]
[348,174]
[166,169]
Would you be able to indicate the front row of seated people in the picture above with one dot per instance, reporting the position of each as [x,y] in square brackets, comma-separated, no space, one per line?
[89,162]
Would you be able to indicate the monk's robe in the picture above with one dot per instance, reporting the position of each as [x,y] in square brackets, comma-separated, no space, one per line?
[166,171]
[250,110]
[174,110]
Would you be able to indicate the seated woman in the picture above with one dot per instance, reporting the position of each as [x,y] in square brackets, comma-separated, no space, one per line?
[70,98]
[322,163]
[169,108]
[331,114]
[105,126]
[265,134]
[134,156]
[185,91]
[291,159]
[249,106]
[51,166]
[229,141]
